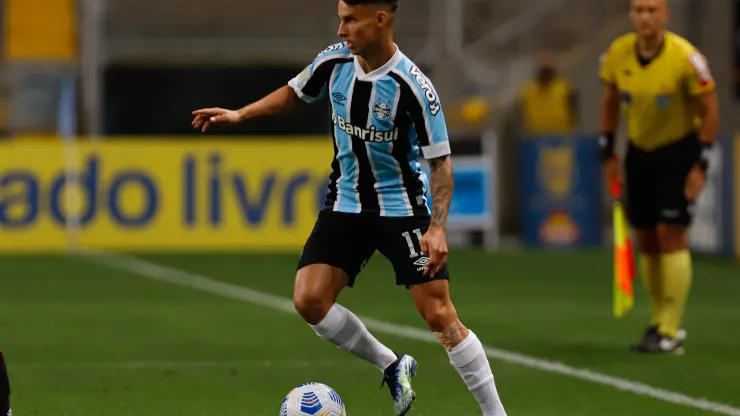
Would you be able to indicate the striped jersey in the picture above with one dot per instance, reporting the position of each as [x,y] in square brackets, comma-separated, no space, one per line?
[382,120]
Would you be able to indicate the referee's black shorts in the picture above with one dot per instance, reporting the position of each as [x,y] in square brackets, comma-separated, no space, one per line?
[348,241]
[656,181]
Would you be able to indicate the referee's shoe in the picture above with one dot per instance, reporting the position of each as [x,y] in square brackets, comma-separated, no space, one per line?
[654,342]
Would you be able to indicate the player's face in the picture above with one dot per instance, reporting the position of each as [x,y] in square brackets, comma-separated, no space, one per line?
[649,16]
[360,25]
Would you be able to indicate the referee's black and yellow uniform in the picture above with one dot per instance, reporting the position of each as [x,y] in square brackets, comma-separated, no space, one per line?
[657,98]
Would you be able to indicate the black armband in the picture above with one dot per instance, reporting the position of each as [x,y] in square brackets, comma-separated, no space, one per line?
[606,144]
[704,155]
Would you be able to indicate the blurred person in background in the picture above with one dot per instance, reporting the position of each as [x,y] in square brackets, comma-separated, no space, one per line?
[549,102]
[385,112]
[4,388]
[667,94]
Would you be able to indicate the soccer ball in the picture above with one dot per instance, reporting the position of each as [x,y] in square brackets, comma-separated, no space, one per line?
[313,399]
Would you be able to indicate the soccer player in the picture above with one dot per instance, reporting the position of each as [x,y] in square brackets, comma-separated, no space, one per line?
[384,111]
[4,389]
[665,88]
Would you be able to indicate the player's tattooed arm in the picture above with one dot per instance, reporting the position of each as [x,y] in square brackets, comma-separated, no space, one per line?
[442,183]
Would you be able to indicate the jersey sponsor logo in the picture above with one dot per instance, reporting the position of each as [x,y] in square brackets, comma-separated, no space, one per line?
[426,86]
[371,134]
[701,68]
[382,109]
[331,48]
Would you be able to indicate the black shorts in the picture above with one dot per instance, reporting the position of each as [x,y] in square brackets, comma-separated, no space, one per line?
[348,241]
[4,387]
[656,182]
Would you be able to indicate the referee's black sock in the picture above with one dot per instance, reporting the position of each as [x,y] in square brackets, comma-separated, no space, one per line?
[4,388]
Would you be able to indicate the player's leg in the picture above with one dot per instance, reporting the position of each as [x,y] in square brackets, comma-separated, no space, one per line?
[676,268]
[4,388]
[675,259]
[464,349]
[432,298]
[334,254]
[642,211]
[650,272]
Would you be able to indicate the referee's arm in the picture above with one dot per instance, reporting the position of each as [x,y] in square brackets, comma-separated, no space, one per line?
[709,115]
[608,126]
[609,109]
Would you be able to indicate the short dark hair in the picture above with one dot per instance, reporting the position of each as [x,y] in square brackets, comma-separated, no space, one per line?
[393,4]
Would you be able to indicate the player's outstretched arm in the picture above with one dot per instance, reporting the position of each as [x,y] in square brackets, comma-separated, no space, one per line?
[434,242]
[282,99]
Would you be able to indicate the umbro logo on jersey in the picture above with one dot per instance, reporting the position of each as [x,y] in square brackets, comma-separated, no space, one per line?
[339,98]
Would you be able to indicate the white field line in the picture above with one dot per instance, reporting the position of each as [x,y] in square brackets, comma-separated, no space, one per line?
[213,286]
[175,364]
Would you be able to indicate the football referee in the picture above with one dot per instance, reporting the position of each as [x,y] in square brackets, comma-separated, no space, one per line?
[667,94]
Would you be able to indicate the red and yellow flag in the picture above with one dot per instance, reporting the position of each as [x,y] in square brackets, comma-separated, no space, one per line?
[624,262]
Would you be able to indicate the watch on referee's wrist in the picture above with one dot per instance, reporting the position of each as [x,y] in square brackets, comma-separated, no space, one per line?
[704,155]
[606,144]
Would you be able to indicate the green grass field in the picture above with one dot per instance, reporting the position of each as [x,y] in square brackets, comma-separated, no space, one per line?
[90,338]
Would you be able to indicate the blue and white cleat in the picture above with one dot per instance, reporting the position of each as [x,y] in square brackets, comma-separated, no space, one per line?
[398,377]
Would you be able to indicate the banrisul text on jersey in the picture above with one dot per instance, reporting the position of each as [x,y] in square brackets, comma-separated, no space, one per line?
[371,134]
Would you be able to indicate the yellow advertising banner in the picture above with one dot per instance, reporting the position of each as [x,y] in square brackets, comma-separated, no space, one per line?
[143,195]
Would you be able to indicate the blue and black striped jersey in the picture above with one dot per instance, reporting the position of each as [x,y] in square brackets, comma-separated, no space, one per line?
[382,120]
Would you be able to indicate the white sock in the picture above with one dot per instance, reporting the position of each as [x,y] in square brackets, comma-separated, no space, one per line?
[470,361]
[345,330]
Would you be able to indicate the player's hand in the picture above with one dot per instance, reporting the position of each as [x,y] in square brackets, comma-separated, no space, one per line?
[203,118]
[434,245]
[694,183]
[612,169]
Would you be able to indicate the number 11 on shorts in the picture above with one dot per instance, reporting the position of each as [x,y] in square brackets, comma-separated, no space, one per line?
[410,242]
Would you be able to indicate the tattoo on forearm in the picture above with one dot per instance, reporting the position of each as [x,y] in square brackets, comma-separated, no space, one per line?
[442,183]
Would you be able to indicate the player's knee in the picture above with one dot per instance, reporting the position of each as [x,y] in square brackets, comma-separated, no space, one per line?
[672,238]
[312,306]
[647,241]
[439,314]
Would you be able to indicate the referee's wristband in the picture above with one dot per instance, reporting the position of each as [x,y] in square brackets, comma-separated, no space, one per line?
[606,144]
[706,151]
